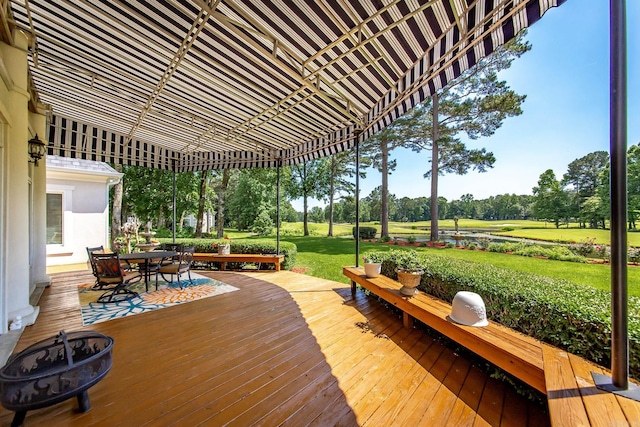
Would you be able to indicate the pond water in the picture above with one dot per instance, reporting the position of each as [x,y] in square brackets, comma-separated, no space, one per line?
[471,238]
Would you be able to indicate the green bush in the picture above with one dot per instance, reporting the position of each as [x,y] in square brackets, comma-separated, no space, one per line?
[365,232]
[560,253]
[557,252]
[411,239]
[245,246]
[505,247]
[570,316]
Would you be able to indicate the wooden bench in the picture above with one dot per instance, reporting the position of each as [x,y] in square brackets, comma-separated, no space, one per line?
[251,258]
[565,378]
[516,353]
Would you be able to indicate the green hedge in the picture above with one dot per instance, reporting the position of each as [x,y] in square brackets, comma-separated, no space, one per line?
[574,317]
[245,246]
[365,232]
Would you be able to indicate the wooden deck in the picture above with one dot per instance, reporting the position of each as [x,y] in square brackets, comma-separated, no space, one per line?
[286,349]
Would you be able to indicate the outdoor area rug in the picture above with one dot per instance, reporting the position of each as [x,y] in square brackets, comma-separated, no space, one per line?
[167,295]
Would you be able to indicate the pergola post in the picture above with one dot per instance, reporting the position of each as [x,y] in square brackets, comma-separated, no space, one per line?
[357,199]
[278,207]
[174,203]
[618,148]
[619,381]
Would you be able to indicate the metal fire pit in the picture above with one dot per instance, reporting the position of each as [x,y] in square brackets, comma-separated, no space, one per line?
[53,370]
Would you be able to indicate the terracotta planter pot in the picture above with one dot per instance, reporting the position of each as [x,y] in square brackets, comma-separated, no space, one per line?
[372,269]
[409,282]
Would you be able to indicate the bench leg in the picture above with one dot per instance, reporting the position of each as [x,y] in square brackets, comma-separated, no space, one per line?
[277,265]
[353,288]
[407,320]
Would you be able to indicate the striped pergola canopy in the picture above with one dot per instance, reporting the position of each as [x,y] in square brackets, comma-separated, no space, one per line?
[204,84]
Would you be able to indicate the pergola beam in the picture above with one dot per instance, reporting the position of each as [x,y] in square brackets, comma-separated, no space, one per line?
[294,66]
[190,38]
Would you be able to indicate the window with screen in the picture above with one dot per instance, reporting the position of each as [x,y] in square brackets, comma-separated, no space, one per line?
[54,219]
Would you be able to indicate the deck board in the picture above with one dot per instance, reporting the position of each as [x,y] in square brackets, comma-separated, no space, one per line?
[286,349]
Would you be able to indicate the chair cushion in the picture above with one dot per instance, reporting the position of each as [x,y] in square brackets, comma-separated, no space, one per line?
[170,268]
[108,267]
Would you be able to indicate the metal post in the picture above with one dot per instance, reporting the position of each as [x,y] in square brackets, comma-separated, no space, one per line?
[618,148]
[174,204]
[357,137]
[278,208]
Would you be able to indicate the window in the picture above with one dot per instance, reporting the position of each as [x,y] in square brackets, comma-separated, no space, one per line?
[54,219]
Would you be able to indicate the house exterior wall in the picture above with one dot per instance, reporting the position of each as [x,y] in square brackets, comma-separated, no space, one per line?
[85,201]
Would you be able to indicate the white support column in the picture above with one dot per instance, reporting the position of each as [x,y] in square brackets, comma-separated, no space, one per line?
[15,235]
[39,278]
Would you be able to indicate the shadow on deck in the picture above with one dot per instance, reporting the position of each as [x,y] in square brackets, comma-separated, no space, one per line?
[286,349]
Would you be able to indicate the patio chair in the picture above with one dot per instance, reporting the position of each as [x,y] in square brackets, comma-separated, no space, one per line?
[177,247]
[111,276]
[98,249]
[178,267]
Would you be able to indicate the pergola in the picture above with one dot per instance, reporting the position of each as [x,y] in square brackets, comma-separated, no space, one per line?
[188,85]
[192,85]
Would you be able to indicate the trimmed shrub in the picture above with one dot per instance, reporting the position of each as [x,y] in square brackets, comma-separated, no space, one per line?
[570,316]
[246,246]
[365,232]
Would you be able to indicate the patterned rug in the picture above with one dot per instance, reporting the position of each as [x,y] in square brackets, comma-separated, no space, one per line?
[167,295]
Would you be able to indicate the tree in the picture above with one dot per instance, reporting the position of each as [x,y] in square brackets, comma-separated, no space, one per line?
[550,198]
[633,183]
[253,198]
[377,150]
[146,193]
[221,185]
[341,168]
[316,214]
[116,208]
[584,175]
[476,104]
[308,180]
[201,202]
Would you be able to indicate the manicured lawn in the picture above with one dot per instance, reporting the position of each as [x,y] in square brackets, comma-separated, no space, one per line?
[569,235]
[324,257]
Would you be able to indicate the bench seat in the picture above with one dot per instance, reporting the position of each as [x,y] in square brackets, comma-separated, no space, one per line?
[565,378]
[516,353]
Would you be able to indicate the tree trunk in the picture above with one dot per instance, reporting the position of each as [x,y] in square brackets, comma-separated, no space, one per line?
[183,214]
[116,209]
[434,170]
[331,191]
[384,191]
[305,196]
[305,215]
[222,190]
[201,200]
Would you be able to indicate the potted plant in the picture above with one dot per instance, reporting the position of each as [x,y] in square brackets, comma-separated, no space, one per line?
[224,245]
[409,269]
[371,265]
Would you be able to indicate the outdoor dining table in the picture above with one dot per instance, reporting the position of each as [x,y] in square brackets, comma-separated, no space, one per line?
[147,257]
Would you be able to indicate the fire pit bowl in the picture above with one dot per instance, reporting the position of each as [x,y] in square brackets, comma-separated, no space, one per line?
[53,370]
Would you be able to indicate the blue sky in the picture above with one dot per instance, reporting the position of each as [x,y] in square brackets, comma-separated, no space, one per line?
[566,114]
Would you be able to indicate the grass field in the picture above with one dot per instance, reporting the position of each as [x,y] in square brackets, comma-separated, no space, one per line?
[524,229]
[325,257]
